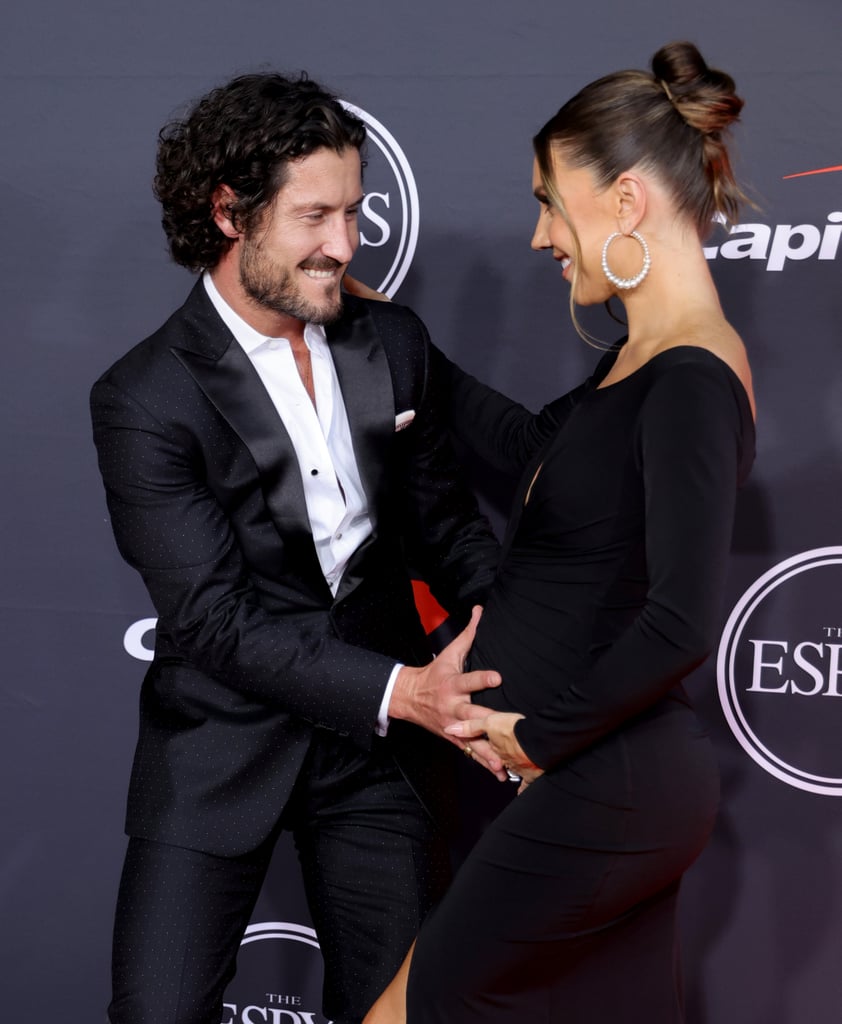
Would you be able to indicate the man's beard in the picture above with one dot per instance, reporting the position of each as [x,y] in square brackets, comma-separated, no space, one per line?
[276,291]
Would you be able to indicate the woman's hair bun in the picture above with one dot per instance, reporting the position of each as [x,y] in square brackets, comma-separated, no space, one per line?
[705,98]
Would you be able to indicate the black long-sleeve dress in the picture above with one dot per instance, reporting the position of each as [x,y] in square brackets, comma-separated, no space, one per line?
[608,594]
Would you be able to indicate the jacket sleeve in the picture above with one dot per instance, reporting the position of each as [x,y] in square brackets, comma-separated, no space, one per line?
[689,447]
[497,429]
[170,527]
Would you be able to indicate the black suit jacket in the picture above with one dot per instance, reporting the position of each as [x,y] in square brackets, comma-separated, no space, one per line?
[252,651]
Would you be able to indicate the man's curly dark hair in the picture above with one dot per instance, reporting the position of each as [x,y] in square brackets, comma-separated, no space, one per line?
[243,134]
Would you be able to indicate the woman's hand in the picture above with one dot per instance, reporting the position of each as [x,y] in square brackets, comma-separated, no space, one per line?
[362,291]
[498,729]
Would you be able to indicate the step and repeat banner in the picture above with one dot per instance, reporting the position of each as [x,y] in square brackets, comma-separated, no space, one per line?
[451,95]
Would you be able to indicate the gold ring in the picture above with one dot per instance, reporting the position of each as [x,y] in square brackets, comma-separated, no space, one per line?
[467,750]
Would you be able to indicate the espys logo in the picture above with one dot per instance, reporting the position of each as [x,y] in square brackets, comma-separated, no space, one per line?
[779,244]
[135,635]
[779,671]
[390,212]
[296,972]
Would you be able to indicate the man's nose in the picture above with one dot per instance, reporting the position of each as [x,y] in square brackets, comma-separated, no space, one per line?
[342,240]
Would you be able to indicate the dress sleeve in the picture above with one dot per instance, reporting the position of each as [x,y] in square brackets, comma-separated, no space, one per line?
[445,536]
[497,429]
[689,448]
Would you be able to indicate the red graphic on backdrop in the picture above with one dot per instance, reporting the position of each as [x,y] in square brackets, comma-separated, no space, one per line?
[819,170]
[431,612]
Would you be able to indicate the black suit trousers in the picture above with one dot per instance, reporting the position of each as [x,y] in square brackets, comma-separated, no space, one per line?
[373,863]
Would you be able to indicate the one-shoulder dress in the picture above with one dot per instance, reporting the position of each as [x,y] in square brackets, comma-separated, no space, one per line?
[608,594]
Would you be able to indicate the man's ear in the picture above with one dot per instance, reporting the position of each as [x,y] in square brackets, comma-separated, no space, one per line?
[221,202]
[630,200]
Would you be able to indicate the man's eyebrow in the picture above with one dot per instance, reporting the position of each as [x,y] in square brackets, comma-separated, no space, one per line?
[317,205]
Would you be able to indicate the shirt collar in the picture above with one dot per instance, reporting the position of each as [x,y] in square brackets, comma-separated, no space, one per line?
[247,337]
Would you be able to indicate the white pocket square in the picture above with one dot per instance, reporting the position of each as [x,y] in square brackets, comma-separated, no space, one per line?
[403,419]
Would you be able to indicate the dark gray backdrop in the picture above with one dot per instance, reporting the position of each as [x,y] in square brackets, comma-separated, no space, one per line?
[461,86]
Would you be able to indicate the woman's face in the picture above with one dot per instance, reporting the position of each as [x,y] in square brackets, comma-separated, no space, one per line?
[587,212]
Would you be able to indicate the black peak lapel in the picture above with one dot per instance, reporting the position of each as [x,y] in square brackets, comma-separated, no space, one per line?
[366,383]
[220,367]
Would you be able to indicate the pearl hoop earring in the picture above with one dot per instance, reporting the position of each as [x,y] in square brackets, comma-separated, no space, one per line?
[625,283]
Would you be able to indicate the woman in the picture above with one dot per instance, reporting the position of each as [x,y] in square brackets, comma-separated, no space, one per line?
[610,585]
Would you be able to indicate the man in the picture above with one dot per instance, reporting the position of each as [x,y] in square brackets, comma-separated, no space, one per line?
[272,456]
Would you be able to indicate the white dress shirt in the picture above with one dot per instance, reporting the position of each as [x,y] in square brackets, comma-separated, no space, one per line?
[337,507]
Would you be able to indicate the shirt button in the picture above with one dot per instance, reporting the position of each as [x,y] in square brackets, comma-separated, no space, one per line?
[314,472]
[339,536]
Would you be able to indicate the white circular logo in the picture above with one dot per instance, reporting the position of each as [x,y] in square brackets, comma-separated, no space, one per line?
[135,635]
[779,671]
[390,212]
[276,988]
[280,930]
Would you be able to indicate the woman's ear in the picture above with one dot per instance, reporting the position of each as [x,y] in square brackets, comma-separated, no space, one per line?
[630,199]
[221,202]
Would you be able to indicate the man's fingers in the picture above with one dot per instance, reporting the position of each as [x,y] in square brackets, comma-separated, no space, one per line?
[479,679]
[469,632]
[480,750]
[484,753]
[461,644]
